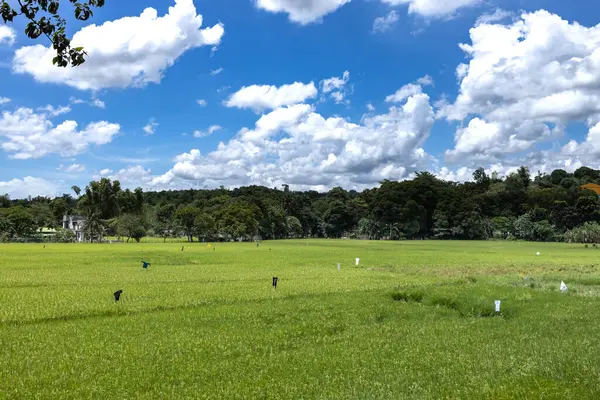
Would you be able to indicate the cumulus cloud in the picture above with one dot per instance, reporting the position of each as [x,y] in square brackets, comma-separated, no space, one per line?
[201,102]
[106,172]
[298,146]
[131,51]
[337,88]
[73,168]
[265,97]
[433,8]
[385,23]
[301,11]
[29,186]
[4,100]
[29,135]
[97,103]
[425,80]
[7,35]
[275,121]
[150,127]
[55,111]
[370,107]
[409,90]
[212,129]
[133,176]
[526,80]
[403,93]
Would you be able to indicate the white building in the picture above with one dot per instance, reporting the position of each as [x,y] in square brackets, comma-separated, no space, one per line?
[76,224]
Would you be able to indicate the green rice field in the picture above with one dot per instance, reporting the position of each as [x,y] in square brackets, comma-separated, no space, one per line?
[414,320]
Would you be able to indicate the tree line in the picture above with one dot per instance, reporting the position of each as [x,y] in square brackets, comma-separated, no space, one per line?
[546,207]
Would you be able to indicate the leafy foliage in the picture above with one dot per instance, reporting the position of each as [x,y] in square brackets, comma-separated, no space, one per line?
[45,19]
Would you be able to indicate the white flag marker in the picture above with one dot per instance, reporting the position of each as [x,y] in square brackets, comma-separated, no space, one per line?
[357,261]
[338,266]
[563,287]
[497,302]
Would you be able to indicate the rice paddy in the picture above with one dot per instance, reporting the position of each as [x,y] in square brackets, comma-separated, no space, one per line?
[412,320]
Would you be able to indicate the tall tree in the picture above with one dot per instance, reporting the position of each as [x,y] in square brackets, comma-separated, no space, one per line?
[186,217]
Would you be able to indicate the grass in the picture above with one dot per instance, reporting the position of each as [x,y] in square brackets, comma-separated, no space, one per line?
[413,320]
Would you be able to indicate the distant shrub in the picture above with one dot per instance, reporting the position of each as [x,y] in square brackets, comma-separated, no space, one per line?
[416,297]
[587,233]
[445,302]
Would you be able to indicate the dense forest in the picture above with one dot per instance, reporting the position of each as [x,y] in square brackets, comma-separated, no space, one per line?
[547,207]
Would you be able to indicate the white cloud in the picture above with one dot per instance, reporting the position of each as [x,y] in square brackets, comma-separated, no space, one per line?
[265,97]
[106,172]
[212,129]
[370,107]
[55,111]
[433,8]
[217,71]
[29,186]
[74,168]
[525,82]
[403,93]
[297,146]
[336,87]
[7,35]
[75,100]
[497,16]
[301,11]
[133,176]
[4,100]
[425,81]
[462,174]
[275,121]
[97,103]
[150,128]
[30,135]
[386,23]
[201,102]
[131,51]
[94,102]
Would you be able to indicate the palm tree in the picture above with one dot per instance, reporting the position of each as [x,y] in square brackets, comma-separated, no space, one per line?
[93,226]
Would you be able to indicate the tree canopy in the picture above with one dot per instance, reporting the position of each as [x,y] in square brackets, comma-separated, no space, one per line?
[544,207]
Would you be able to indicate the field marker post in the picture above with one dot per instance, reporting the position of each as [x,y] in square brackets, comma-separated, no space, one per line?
[497,302]
[339,267]
[357,261]
[563,287]
[275,279]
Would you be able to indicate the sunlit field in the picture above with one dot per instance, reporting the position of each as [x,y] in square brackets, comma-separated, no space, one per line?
[412,320]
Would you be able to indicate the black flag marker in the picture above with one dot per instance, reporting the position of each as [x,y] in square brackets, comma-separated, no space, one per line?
[146,264]
[118,295]
[181,248]
[275,279]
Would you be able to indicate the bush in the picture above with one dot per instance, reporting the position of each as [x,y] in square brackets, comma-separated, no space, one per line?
[587,233]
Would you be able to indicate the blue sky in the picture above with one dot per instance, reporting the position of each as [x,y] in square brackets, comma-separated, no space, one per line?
[311,94]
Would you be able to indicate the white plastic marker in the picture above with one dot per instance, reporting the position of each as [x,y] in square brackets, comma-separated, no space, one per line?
[563,287]
[497,302]
[357,261]
[338,266]
[537,254]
